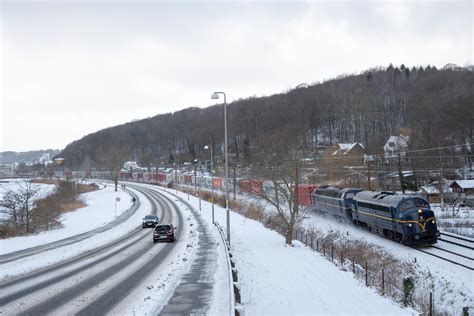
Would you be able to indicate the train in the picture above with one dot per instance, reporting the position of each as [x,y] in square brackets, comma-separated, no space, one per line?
[404,218]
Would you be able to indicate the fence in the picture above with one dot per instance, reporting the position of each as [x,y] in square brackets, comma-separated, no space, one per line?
[385,283]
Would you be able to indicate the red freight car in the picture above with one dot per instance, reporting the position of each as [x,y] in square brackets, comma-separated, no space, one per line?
[188,179]
[305,193]
[162,177]
[217,183]
[253,186]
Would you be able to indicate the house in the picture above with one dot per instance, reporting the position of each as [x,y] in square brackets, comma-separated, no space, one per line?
[340,157]
[396,146]
[431,193]
[346,150]
[463,186]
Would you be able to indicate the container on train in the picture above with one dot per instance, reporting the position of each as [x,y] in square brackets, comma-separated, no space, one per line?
[305,192]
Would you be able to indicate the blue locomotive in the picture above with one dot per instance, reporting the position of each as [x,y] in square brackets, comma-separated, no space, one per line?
[407,219]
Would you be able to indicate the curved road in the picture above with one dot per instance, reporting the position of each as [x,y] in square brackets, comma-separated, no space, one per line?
[95,282]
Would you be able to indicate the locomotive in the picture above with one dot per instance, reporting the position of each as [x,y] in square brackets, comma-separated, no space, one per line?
[404,218]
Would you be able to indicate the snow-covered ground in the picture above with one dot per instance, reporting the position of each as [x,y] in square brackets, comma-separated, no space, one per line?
[274,278]
[450,281]
[459,221]
[17,184]
[101,209]
[279,280]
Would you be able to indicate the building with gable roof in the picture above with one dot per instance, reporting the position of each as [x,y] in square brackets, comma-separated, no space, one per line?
[396,146]
[463,186]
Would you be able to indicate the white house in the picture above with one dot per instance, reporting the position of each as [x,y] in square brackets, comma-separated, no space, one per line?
[395,146]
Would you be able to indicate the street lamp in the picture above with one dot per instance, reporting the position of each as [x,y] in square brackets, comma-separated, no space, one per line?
[212,181]
[195,175]
[215,96]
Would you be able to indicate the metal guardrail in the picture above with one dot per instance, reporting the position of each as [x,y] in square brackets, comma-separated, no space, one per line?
[229,274]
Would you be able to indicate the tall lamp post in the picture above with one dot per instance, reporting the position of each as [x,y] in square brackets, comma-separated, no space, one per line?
[215,95]
[212,182]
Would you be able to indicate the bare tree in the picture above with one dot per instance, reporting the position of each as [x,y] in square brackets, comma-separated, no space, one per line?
[112,157]
[17,204]
[27,191]
[11,206]
[282,171]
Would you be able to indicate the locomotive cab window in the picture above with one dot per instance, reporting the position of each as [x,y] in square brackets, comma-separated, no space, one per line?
[421,203]
[405,205]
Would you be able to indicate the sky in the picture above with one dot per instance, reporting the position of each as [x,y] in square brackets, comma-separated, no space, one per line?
[70,68]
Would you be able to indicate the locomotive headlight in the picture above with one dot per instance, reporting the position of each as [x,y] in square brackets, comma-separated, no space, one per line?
[433,221]
[420,211]
[409,225]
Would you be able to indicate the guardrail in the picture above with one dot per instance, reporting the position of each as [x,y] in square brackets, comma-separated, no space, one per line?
[234,289]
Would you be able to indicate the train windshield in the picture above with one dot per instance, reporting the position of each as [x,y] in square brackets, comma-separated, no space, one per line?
[405,205]
[421,203]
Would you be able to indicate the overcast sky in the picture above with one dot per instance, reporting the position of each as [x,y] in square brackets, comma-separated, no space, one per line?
[72,68]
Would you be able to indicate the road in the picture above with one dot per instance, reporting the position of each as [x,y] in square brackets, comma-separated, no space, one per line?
[99,280]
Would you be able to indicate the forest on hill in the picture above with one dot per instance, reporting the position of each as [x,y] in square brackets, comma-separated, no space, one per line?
[434,107]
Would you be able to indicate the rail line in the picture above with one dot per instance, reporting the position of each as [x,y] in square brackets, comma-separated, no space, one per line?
[446,259]
[469,242]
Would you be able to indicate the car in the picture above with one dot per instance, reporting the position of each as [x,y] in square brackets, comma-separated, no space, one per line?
[164,232]
[150,221]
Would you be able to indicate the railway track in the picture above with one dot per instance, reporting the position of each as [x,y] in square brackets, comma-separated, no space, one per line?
[455,249]
[460,241]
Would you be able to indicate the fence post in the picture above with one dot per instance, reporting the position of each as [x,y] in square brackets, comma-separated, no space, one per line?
[383,282]
[317,245]
[366,275]
[431,304]
[353,266]
[342,260]
[324,249]
[306,235]
[311,242]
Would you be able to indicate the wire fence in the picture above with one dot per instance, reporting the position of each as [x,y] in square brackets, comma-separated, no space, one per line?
[385,283]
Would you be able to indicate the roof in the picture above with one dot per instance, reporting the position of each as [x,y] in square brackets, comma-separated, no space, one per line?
[400,142]
[430,189]
[345,148]
[465,184]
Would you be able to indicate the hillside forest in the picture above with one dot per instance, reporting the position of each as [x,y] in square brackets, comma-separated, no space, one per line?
[433,108]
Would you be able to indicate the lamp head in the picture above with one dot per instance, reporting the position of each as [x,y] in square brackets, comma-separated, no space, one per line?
[206,147]
[215,95]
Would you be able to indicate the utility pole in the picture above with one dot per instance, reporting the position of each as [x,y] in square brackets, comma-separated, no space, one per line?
[234,181]
[368,177]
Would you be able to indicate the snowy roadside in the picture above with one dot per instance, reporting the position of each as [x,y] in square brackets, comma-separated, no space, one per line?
[276,279]
[100,211]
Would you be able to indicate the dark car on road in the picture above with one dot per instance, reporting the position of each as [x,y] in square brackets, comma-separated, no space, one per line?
[150,221]
[164,232]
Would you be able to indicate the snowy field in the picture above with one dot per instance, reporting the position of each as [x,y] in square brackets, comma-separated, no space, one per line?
[16,184]
[99,211]
[459,221]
